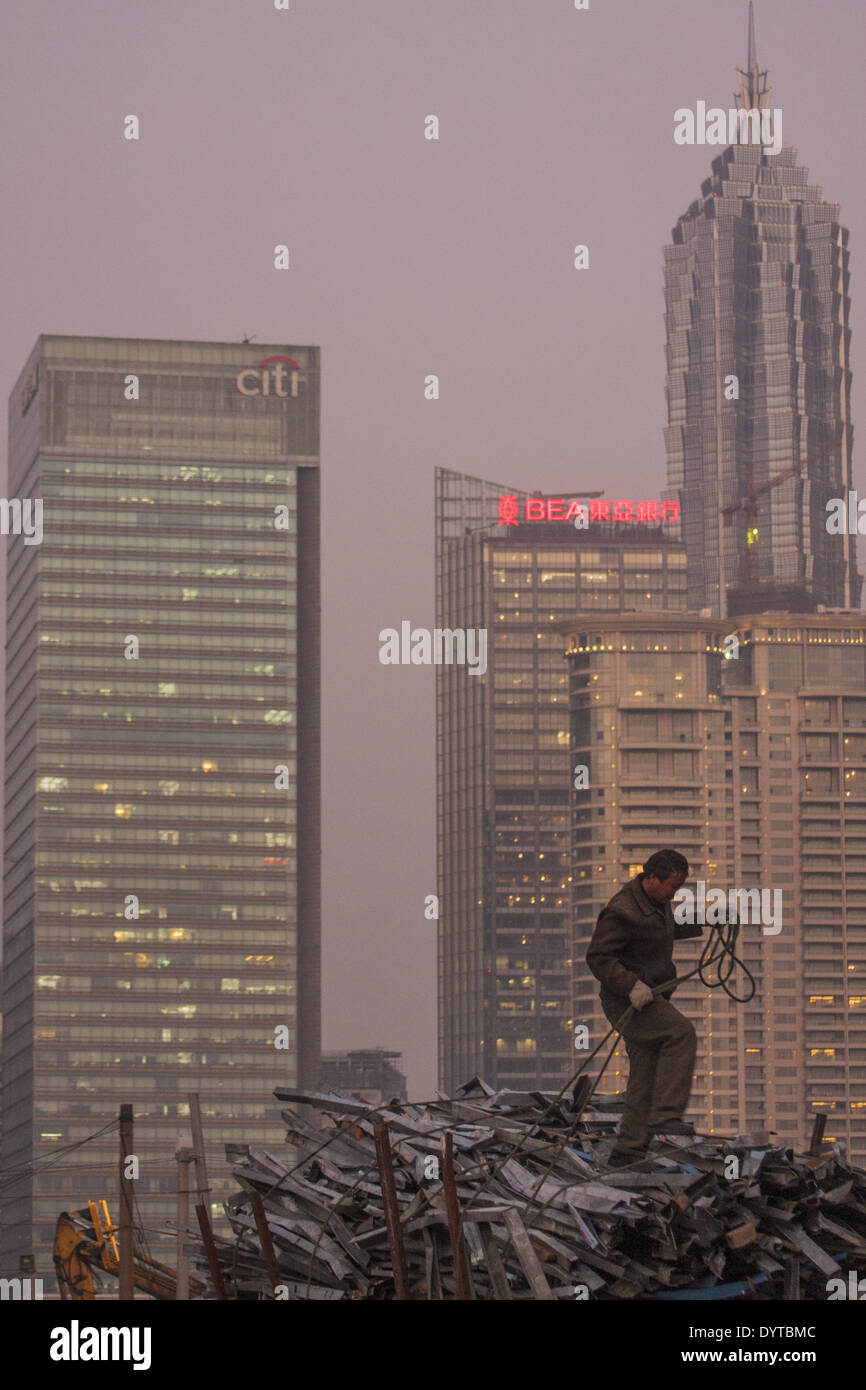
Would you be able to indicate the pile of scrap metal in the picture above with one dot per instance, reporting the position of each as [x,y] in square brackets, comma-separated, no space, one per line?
[506,1195]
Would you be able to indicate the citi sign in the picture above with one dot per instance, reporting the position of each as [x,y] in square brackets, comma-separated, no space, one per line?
[261,377]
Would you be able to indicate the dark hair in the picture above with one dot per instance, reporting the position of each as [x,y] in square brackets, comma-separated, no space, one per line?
[664,863]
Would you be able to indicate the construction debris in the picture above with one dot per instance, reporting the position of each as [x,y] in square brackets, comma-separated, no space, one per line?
[507,1195]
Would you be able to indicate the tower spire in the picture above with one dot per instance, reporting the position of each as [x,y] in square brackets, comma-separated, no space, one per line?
[754,93]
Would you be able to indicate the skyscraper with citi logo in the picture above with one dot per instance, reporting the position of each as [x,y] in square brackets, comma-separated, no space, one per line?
[162,843]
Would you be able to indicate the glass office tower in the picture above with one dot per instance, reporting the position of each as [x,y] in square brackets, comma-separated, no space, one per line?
[504,766]
[161,866]
[759,433]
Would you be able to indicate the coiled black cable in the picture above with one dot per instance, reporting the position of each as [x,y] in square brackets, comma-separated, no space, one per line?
[723,955]
[719,955]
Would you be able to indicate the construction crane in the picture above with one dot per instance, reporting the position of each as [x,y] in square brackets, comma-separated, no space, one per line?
[86,1240]
[749,503]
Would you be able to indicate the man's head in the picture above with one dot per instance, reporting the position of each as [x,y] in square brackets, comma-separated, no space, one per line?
[664,873]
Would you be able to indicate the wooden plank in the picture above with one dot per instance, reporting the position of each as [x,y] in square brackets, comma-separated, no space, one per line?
[548,1247]
[849,1237]
[818,1163]
[495,1267]
[321,1100]
[813,1252]
[623,1288]
[431,1265]
[595,1196]
[792,1279]
[840,1194]
[602,1262]
[489,1213]
[584,1275]
[586,1229]
[529,1261]
[740,1236]
[672,1181]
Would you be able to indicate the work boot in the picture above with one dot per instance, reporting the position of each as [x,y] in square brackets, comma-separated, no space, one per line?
[681,1127]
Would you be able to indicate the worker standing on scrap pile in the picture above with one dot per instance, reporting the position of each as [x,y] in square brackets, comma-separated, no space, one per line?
[631,952]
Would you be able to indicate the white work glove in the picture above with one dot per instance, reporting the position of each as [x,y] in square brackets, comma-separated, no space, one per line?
[640,995]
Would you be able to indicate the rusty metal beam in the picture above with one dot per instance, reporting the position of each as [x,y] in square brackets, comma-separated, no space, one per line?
[210,1249]
[455,1229]
[392,1209]
[818,1132]
[265,1241]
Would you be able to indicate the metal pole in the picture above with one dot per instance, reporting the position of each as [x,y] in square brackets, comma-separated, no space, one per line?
[392,1210]
[265,1240]
[198,1146]
[455,1230]
[184,1158]
[210,1248]
[126,1284]
[818,1133]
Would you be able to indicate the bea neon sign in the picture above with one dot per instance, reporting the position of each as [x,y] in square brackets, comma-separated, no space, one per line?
[262,377]
[569,509]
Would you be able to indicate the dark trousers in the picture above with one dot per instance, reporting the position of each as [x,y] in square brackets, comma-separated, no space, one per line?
[661,1046]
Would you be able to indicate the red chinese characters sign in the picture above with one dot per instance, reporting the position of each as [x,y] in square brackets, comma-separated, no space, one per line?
[511,512]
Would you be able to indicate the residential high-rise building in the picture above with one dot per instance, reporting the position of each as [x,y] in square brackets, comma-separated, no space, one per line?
[649,721]
[744,755]
[798,704]
[161,865]
[759,432]
[503,762]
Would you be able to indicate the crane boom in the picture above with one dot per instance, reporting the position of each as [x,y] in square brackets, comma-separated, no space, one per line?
[85,1240]
[747,503]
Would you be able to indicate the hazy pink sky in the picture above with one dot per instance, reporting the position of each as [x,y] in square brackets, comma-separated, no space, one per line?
[408,257]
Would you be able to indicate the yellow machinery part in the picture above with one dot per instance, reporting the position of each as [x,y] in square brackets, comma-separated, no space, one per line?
[79,1248]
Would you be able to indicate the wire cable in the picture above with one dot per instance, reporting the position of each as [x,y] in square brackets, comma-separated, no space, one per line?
[51,1159]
